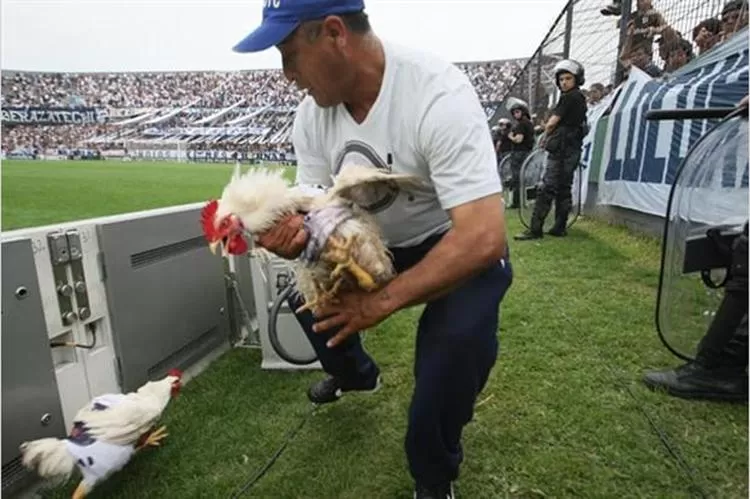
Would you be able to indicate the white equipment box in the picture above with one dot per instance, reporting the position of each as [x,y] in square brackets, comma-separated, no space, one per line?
[293,350]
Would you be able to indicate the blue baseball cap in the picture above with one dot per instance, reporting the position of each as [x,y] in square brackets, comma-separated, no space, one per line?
[281,17]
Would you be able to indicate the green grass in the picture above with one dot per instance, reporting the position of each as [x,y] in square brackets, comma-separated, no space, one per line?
[45,192]
[562,414]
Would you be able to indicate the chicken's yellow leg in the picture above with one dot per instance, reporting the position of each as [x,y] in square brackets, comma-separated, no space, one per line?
[80,491]
[341,254]
[322,296]
[331,293]
[314,301]
[154,438]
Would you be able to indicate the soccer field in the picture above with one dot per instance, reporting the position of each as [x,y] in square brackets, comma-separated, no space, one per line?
[564,413]
[45,192]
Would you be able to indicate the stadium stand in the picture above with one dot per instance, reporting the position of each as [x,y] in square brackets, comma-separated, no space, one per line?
[247,115]
[194,116]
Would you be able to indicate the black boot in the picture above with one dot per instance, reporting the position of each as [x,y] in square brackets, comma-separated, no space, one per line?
[614,9]
[695,381]
[560,229]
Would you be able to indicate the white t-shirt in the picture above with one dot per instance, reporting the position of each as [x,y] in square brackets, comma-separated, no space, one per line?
[426,121]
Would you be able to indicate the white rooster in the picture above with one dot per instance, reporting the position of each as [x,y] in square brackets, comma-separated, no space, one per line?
[105,435]
[345,248]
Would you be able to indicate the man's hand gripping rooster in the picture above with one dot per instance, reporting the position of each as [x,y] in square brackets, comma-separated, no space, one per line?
[343,249]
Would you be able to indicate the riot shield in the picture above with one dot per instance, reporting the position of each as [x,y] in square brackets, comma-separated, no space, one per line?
[506,177]
[531,180]
[707,208]
[506,173]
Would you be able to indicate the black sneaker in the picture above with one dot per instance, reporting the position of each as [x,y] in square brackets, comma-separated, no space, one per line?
[331,389]
[554,231]
[612,10]
[443,492]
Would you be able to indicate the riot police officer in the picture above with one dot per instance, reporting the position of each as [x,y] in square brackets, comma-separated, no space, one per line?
[719,371]
[503,144]
[564,133]
[521,139]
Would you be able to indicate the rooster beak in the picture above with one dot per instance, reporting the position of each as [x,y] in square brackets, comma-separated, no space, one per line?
[215,244]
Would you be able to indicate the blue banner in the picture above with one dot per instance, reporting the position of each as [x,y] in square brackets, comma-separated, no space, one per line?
[641,157]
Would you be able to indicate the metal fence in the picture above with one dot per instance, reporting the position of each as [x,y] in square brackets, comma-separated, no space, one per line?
[583,33]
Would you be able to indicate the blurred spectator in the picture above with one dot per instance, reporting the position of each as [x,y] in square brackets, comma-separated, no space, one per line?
[640,56]
[679,53]
[647,22]
[595,94]
[733,17]
[707,34]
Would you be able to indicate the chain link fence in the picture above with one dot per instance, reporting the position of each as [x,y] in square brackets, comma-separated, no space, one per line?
[606,45]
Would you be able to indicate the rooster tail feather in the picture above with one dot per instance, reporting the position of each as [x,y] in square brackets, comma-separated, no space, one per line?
[49,457]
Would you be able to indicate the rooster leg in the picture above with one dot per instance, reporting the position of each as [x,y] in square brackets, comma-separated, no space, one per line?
[314,301]
[331,293]
[322,296]
[80,491]
[154,438]
[340,253]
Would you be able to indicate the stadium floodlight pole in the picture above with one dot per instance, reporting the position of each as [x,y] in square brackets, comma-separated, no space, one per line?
[625,7]
[568,28]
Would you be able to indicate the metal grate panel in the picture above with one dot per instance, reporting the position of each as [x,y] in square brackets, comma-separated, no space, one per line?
[15,476]
[165,252]
[166,293]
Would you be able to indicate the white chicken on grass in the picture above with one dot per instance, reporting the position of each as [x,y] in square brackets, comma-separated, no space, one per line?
[345,248]
[105,435]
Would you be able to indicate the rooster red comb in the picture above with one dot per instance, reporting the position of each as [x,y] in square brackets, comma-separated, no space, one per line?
[175,372]
[208,214]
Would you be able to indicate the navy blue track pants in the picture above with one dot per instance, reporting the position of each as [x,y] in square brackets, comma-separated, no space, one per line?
[456,348]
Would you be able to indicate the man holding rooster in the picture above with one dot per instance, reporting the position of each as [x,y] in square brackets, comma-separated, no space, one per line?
[400,111]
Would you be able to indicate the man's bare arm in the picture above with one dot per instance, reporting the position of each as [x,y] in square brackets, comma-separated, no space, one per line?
[552,123]
[476,240]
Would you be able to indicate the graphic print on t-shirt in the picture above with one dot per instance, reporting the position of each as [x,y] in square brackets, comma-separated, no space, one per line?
[356,152]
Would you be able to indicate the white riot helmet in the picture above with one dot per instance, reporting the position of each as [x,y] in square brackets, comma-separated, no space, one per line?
[570,66]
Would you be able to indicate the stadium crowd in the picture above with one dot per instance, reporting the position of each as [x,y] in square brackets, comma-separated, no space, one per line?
[264,94]
[259,104]
[649,30]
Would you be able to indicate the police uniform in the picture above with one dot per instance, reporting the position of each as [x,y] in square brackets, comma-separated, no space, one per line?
[563,146]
